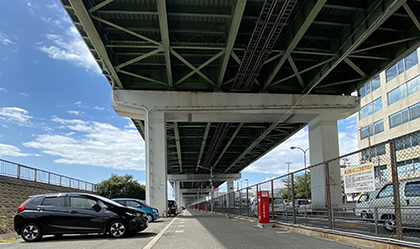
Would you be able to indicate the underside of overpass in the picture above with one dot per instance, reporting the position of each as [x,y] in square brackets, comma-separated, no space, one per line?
[288,47]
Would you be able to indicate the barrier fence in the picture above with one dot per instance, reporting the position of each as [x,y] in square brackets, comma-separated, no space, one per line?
[374,191]
[15,170]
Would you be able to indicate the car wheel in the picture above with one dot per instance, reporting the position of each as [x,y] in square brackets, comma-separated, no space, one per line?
[31,232]
[364,215]
[389,223]
[149,218]
[117,229]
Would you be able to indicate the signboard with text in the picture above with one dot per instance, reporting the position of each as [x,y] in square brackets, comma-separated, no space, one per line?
[359,179]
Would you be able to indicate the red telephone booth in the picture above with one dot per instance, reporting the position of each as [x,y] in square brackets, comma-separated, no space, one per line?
[263,207]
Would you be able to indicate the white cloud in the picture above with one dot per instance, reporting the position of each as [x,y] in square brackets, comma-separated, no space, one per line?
[99,108]
[5,40]
[77,113]
[23,94]
[15,115]
[10,150]
[274,162]
[93,143]
[70,47]
[3,90]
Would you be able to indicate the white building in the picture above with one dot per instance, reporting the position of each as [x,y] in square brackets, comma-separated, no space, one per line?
[390,108]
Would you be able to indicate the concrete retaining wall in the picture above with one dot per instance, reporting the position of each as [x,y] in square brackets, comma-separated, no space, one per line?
[14,191]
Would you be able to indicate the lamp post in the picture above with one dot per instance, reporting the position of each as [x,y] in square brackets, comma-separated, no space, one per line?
[304,162]
[211,183]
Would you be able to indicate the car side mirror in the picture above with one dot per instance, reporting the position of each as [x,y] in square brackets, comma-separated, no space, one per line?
[96,207]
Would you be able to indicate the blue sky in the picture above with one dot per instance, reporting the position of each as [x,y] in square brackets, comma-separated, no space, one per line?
[55,111]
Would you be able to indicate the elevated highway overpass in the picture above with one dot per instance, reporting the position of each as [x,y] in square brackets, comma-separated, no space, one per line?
[212,86]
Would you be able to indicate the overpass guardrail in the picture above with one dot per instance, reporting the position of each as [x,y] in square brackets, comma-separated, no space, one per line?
[19,171]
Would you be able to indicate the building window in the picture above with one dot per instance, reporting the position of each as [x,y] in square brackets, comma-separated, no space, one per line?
[402,91]
[373,151]
[404,116]
[414,111]
[407,142]
[370,108]
[408,167]
[377,105]
[364,133]
[370,86]
[401,66]
[413,85]
[411,60]
[391,73]
[372,129]
[379,126]
[381,172]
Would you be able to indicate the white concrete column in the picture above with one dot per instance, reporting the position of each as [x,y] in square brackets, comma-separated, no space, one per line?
[177,192]
[229,201]
[156,183]
[323,145]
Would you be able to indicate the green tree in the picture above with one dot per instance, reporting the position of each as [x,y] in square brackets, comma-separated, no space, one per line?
[121,186]
[299,187]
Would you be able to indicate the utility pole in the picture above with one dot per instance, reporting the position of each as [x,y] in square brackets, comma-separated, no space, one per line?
[288,183]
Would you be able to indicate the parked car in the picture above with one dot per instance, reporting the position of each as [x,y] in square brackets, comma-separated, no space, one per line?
[173,207]
[301,206]
[151,212]
[75,213]
[383,203]
[277,201]
[362,205]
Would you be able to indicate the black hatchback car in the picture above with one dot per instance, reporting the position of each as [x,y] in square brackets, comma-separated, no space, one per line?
[76,213]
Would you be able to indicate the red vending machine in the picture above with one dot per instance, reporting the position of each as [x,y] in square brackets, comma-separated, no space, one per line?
[263,207]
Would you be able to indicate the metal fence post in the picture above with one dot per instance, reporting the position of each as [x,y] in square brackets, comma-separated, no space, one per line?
[292,182]
[272,200]
[240,202]
[247,202]
[35,173]
[375,215]
[18,171]
[396,188]
[328,194]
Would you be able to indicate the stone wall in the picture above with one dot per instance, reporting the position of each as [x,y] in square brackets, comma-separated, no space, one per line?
[14,191]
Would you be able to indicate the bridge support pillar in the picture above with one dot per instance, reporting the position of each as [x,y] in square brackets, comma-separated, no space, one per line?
[231,200]
[155,136]
[323,145]
[177,193]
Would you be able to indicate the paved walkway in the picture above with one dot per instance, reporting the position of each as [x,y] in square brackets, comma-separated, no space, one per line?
[195,229]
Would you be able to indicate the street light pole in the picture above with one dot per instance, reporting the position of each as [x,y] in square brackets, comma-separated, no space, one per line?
[211,183]
[304,162]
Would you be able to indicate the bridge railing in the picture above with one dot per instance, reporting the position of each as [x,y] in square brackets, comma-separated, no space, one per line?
[19,171]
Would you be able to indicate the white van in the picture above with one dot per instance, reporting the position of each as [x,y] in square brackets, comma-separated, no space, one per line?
[362,204]
[278,205]
[383,203]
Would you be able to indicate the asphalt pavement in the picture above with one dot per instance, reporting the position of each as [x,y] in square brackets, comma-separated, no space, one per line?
[190,229]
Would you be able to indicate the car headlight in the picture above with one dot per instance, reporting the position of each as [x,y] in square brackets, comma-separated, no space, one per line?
[130,213]
[155,210]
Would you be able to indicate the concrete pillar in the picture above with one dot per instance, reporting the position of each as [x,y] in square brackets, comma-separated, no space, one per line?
[230,201]
[156,183]
[177,192]
[323,145]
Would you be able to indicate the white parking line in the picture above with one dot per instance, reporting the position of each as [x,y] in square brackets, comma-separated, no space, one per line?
[155,239]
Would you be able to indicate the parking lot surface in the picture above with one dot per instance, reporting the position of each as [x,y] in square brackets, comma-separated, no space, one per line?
[190,229]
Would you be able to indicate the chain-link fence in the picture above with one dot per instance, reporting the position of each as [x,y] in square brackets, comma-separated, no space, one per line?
[374,191]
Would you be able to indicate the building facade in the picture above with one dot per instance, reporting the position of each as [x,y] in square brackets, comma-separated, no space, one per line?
[390,108]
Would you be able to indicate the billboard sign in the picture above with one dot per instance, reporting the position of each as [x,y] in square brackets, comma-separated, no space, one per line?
[359,179]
